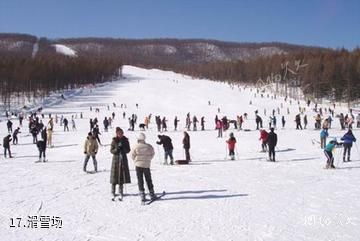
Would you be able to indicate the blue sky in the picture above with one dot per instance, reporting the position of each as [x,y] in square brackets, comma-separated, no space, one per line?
[331,23]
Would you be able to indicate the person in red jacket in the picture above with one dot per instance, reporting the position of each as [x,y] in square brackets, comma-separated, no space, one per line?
[263,138]
[231,145]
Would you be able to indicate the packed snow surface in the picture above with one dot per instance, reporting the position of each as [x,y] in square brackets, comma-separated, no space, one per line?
[65,50]
[213,198]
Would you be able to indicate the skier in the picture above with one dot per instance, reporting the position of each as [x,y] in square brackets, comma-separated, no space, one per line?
[195,121]
[176,120]
[73,124]
[323,135]
[90,149]
[231,146]
[9,126]
[272,141]
[186,145]
[258,121]
[328,153]
[263,138]
[66,123]
[348,140]
[298,122]
[142,154]
[49,137]
[106,124]
[15,138]
[6,144]
[96,133]
[283,121]
[163,123]
[41,145]
[219,127]
[120,173]
[202,123]
[305,121]
[358,120]
[168,148]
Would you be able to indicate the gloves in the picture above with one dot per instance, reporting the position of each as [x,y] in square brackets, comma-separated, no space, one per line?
[85,152]
[95,152]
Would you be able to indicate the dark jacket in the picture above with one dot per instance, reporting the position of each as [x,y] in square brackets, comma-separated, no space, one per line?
[41,145]
[119,166]
[6,141]
[272,139]
[166,142]
[348,138]
[186,141]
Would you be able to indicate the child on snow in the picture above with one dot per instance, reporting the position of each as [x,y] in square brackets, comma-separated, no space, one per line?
[263,138]
[231,146]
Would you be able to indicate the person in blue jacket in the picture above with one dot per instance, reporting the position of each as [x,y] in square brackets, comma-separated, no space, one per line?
[328,153]
[348,140]
[323,135]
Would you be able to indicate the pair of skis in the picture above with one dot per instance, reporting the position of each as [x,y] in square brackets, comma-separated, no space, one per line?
[148,202]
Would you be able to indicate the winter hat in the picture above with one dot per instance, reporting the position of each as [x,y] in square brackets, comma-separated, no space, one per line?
[231,134]
[141,137]
[118,129]
[89,134]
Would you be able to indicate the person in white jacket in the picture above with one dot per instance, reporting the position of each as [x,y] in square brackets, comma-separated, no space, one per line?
[142,154]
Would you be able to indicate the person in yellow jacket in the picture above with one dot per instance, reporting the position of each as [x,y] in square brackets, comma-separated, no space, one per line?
[142,154]
[90,149]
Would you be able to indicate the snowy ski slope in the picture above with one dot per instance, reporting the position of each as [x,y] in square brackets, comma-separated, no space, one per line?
[211,199]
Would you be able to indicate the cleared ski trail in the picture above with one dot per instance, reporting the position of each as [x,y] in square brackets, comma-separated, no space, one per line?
[211,199]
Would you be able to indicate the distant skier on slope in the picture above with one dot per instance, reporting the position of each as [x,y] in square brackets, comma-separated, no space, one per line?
[186,145]
[272,142]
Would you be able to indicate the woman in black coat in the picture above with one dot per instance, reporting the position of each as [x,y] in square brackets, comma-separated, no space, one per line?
[120,173]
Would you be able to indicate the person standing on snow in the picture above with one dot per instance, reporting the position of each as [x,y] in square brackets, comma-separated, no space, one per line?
[323,135]
[120,173]
[272,142]
[176,120]
[186,145]
[9,126]
[6,144]
[168,148]
[263,138]
[90,149]
[219,127]
[41,145]
[348,140]
[66,124]
[202,123]
[142,154]
[328,153]
[231,146]
[15,138]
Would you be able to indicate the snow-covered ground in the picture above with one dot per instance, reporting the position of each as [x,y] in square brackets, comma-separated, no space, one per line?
[211,199]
